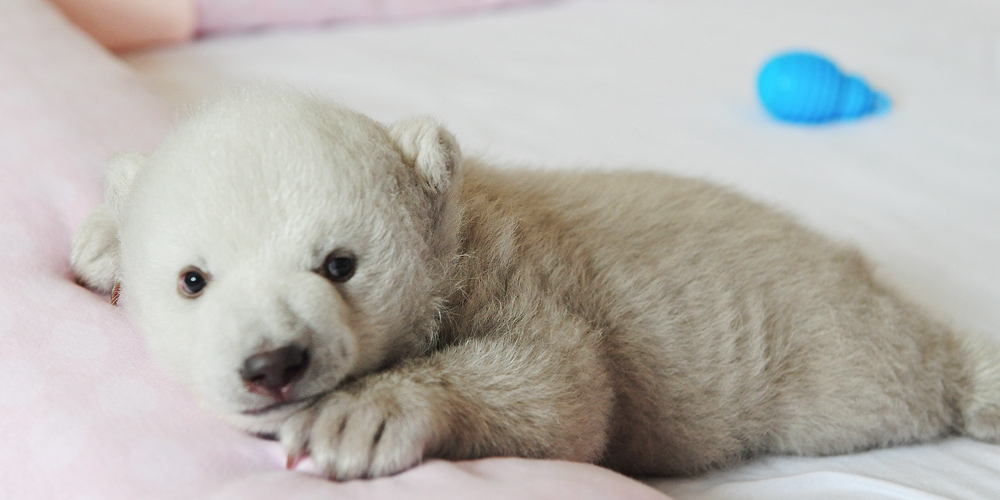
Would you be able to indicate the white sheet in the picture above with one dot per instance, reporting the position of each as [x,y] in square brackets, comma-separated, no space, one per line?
[670,85]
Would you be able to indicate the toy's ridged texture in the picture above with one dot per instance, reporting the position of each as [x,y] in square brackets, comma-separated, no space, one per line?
[807,88]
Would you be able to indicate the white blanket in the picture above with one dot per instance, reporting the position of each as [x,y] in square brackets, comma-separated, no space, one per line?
[670,85]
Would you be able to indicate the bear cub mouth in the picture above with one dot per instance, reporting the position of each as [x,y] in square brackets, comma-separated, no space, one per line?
[263,410]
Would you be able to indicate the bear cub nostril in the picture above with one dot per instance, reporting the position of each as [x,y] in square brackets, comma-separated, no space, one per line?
[272,371]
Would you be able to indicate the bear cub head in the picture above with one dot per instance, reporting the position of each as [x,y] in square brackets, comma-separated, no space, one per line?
[277,244]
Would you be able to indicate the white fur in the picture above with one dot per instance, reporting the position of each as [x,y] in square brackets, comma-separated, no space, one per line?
[653,324]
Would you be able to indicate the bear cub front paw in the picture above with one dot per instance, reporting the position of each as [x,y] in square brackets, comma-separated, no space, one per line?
[364,432]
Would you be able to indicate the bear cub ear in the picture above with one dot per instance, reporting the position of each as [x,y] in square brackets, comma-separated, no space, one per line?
[118,181]
[430,149]
[94,256]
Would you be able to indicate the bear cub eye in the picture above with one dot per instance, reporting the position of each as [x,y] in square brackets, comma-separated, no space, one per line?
[191,282]
[338,266]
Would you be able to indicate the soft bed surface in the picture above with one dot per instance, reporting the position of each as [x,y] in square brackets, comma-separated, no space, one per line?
[626,84]
[669,86]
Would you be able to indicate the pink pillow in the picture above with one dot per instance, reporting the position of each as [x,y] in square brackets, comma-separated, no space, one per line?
[123,25]
[229,15]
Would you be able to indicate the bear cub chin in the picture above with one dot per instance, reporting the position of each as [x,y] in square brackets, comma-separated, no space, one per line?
[372,298]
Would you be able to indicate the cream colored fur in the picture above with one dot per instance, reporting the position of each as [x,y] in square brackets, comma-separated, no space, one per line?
[649,323]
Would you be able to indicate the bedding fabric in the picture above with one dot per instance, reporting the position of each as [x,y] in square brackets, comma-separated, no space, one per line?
[669,85]
[220,16]
[124,25]
[84,414]
[132,24]
[627,84]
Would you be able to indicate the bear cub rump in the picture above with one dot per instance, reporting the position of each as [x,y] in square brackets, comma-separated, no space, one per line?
[371,297]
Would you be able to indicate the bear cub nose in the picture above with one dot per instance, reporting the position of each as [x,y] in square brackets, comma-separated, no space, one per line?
[272,373]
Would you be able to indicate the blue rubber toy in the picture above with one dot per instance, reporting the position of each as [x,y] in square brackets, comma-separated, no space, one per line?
[802,87]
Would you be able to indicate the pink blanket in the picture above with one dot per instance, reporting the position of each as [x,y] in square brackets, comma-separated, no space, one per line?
[124,25]
[229,15]
[83,411]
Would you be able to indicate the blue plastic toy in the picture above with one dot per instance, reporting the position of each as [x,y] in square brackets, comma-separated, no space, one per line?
[802,87]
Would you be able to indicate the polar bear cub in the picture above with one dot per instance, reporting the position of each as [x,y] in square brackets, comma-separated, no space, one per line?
[372,298]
